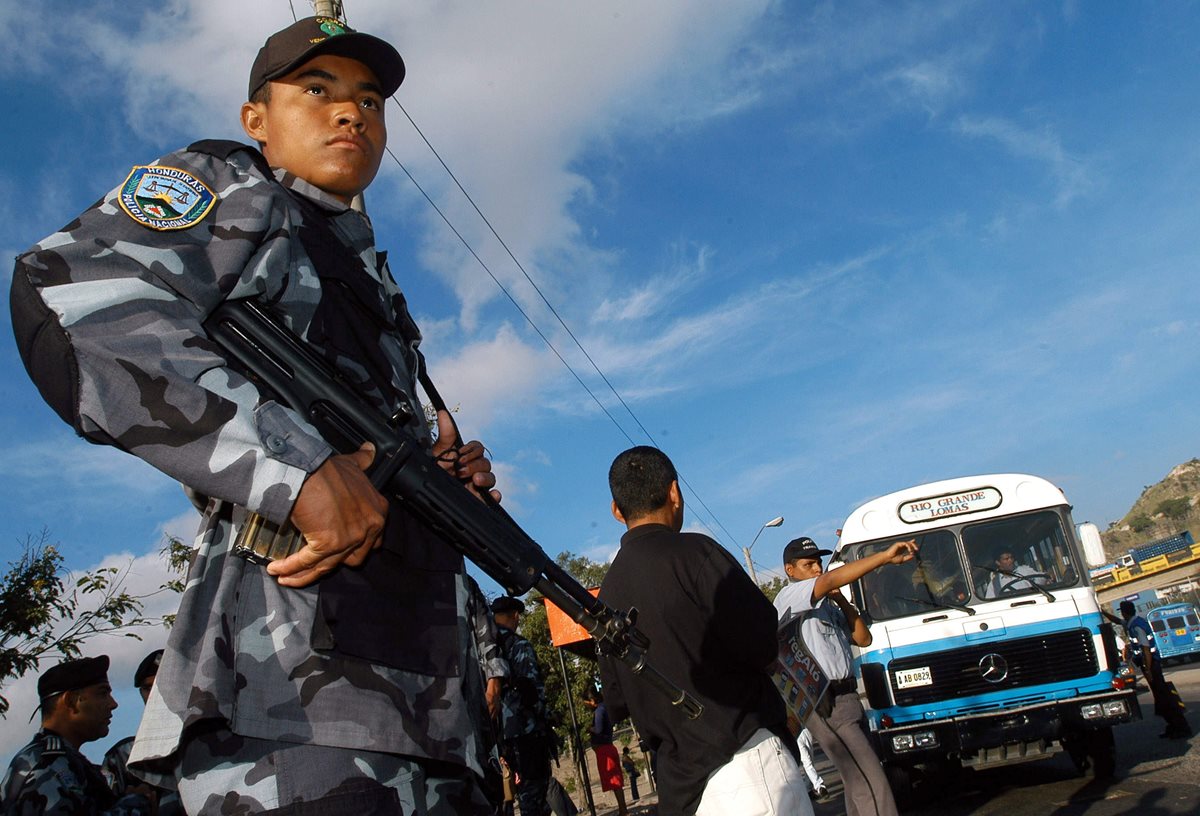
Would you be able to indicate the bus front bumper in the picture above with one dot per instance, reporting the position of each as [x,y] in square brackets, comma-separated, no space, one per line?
[1005,735]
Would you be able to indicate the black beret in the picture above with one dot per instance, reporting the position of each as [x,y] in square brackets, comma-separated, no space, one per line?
[71,675]
[147,668]
[506,604]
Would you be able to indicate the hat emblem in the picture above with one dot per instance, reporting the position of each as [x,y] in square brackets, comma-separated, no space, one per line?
[332,27]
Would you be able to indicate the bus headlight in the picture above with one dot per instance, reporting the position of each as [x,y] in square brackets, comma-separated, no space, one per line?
[1105,710]
[1115,708]
[914,740]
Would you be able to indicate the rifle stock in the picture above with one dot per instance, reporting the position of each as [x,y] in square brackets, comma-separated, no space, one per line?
[481,531]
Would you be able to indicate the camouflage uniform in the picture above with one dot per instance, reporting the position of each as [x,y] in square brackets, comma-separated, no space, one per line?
[114,768]
[492,665]
[123,304]
[528,741]
[48,776]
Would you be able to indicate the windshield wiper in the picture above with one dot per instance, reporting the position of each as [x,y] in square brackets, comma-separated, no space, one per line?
[936,604]
[1026,578]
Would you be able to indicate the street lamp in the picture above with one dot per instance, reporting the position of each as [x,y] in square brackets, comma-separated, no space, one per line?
[775,522]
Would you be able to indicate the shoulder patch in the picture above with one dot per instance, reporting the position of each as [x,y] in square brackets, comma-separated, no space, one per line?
[165,198]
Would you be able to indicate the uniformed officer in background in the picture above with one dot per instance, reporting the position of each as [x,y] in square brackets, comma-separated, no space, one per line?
[50,775]
[528,742]
[1142,651]
[116,759]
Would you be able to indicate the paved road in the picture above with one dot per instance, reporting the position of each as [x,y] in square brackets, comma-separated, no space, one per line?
[1155,777]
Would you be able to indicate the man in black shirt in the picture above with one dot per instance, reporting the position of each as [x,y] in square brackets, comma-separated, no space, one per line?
[713,631]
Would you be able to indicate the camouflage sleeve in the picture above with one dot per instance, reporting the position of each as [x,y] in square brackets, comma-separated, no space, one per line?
[108,313]
[54,787]
[491,657]
[526,674]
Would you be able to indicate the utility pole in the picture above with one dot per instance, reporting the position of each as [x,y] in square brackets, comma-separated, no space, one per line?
[329,8]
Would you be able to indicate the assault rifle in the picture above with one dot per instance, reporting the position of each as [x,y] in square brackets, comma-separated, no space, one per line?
[272,355]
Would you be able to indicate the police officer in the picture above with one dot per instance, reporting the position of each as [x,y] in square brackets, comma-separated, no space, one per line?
[527,739]
[50,775]
[1142,651]
[301,681]
[116,759]
[830,623]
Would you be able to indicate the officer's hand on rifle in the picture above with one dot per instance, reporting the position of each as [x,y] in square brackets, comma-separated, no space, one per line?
[341,515]
[469,464]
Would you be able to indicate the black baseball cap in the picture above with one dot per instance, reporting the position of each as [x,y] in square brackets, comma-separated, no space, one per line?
[71,675]
[802,547]
[307,38]
[505,604]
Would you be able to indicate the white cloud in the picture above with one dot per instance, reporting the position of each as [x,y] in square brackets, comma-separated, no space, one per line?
[67,461]
[490,377]
[1071,173]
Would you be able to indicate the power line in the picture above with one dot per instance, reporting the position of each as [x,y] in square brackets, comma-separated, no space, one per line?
[546,301]
[506,292]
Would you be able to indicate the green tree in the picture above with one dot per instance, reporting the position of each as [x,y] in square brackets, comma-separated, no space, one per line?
[1174,508]
[580,661]
[44,609]
[1140,523]
[771,588]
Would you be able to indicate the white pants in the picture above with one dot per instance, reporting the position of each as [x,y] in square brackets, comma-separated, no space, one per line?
[761,779]
[805,743]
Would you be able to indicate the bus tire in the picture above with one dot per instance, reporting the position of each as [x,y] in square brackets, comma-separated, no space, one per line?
[900,779]
[1102,750]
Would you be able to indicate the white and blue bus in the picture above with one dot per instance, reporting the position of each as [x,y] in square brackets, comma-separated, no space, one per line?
[1176,630]
[990,647]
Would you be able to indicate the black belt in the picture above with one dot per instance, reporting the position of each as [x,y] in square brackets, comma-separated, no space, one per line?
[847,686]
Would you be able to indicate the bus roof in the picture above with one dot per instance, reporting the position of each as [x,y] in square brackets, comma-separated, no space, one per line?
[1169,609]
[924,507]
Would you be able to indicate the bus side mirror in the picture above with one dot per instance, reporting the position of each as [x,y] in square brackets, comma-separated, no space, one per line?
[1093,549]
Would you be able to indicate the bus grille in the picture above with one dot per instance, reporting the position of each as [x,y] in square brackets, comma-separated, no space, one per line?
[1032,661]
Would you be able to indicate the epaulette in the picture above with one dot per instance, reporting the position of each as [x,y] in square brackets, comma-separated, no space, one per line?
[54,744]
[224,148]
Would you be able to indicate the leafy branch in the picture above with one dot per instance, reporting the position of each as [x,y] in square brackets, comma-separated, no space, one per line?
[44,609]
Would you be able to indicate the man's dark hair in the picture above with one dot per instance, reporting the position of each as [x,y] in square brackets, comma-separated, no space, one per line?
[1128,609]
[640,479]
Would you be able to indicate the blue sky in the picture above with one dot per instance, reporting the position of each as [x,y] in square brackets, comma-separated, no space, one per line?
[823,250]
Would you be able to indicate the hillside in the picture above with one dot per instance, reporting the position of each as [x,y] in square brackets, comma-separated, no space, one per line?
[1162,510]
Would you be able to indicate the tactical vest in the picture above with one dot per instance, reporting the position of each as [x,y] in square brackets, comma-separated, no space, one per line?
[400,609]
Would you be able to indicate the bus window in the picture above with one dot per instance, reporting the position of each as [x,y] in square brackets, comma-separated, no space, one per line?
[934,578]
[1157,625]
[1015,556]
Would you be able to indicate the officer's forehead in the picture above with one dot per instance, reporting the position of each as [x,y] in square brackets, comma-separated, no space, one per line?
[333,66]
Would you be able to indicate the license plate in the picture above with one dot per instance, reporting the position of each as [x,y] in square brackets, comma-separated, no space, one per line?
[908,678]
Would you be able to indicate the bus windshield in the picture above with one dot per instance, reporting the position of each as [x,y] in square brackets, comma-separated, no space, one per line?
[1001,558]
[1019,555]
[935,579]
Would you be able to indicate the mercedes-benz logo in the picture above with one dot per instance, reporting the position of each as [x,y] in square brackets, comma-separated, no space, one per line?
[993,668]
